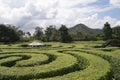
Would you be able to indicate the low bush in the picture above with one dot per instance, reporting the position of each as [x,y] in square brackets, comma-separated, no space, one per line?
[24,45]
[112,42]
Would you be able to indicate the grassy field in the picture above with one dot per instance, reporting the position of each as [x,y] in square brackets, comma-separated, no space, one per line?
[60,61]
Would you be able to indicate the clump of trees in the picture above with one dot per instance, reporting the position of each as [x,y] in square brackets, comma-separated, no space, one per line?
[38,34]
[116,32]
[111,35]
[107,31]
[52,34]
[64,35]
[79,36]
[9,33]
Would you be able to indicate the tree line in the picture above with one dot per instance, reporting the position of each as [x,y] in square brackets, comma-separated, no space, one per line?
[11,34]
[52,34]
[111,33]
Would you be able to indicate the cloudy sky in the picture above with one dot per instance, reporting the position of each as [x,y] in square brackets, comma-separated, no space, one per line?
[31,13]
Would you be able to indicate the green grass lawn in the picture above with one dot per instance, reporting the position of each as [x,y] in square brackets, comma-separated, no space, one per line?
[60,61]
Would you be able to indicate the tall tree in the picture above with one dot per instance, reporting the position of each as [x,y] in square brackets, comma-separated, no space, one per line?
[38,34]
[65,37]
[17,30]
[107,31]
[55,35]
[52,34]
[8,34]
[49,32]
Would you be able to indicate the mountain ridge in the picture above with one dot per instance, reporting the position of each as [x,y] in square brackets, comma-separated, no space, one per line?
[84,29]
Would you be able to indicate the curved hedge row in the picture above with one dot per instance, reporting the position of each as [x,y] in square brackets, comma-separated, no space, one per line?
[98,69]
[63,64]
[60,62]
[112,58]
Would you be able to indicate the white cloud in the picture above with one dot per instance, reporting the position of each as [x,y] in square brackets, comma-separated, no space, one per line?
[94,22]
[31,13]
[71,3]
[117,23]
[115,3]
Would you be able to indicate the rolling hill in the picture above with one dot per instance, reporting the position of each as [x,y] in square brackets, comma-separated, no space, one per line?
[84,29]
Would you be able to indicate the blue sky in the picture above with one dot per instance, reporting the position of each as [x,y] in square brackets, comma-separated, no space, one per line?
[31,13]
[100,3]
[114,13]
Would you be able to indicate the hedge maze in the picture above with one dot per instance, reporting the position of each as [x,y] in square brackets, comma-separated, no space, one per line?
[76,61]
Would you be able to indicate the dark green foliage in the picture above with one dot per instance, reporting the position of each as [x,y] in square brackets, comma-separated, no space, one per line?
[24,45]
[90,38]
[48,32]
[38,34]
[81,32]
[116,32]
[8,34]
[13,62]
[107,31]
[65,37]
[112,42]
[84,29]
[52,34]
[82,37]
[77,36]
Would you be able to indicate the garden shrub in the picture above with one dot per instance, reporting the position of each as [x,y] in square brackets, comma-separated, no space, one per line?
[112,42]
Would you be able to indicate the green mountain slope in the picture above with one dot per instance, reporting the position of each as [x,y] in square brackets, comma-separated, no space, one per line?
[84,29]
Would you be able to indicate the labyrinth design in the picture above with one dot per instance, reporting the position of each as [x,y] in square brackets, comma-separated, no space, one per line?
[62,62]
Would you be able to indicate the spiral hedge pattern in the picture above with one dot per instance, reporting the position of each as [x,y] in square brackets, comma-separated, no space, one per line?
[66,62]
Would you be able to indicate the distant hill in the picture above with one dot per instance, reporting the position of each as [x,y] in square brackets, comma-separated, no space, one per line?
[84,29]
